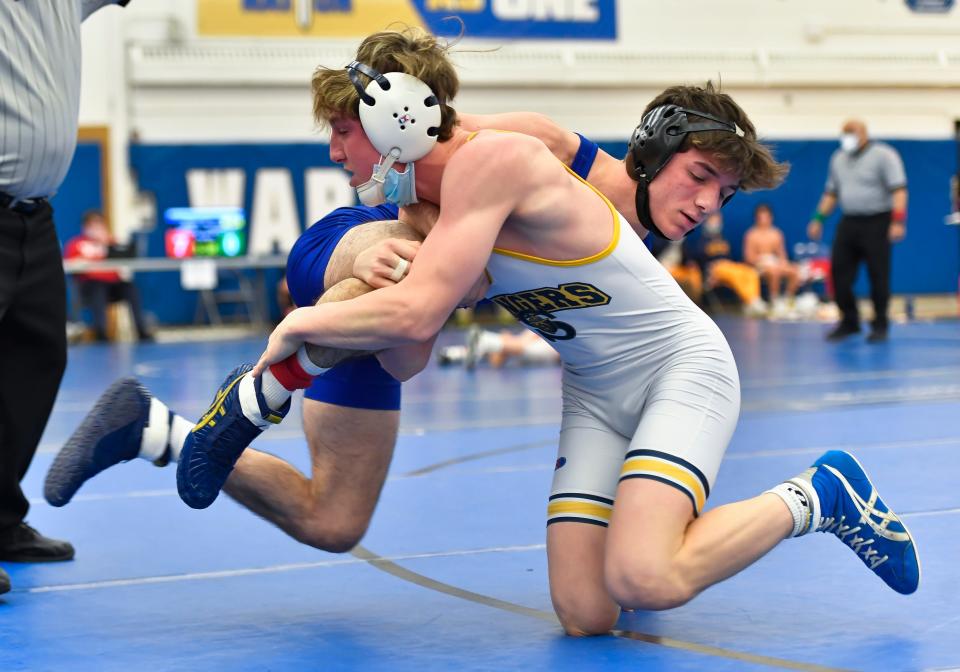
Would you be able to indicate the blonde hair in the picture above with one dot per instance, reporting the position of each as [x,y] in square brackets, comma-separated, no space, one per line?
[411,50]
[745,156]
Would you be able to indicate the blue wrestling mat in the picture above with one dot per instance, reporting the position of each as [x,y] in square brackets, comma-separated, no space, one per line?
[452,574]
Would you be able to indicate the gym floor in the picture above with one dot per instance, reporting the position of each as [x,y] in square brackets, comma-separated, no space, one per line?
[452,574]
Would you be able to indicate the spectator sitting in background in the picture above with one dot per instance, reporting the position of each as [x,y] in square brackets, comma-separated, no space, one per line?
[97,288]
[710,251]
[764,249]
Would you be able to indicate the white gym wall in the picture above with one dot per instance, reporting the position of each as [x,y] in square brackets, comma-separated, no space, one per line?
[798,66]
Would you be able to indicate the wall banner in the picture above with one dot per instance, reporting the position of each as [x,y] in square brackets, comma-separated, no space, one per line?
[484,19]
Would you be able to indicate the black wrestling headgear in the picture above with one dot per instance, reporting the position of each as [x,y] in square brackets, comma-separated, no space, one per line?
[654,142]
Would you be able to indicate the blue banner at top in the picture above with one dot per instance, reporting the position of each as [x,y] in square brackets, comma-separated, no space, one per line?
[930,6]
[287,5]
[522,19]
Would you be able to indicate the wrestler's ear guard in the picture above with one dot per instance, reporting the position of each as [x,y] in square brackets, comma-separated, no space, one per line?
[399,113]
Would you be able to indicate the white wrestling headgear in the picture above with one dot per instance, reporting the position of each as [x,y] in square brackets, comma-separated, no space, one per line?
[401,117]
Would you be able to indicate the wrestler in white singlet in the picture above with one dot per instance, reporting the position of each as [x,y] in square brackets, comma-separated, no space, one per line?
[650,387]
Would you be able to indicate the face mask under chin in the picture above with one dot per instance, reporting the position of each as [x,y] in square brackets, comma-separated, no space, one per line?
[389,186]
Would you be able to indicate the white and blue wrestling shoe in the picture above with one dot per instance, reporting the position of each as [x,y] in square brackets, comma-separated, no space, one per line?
[215,444]
[852,510]
[109,434]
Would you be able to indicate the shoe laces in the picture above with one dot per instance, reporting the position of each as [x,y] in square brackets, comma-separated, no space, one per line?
[848,534]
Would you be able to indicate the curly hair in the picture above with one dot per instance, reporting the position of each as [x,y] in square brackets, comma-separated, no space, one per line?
[411,50]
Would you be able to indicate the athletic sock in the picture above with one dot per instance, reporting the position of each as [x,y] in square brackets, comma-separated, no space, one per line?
[802,498]
[164,434]
[179,429]
[274,393]
[296,372]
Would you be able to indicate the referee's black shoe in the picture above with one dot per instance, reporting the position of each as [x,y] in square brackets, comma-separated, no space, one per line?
[4,582]
[842,331]
[22,543]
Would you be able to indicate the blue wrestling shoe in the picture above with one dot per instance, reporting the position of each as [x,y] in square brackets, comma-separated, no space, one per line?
[851,509]
[214,445]
[110,434]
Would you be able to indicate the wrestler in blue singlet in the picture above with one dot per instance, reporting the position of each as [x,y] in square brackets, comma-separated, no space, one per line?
[357,383]
[360,383]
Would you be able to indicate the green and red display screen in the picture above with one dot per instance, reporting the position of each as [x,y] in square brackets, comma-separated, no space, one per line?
[205,232]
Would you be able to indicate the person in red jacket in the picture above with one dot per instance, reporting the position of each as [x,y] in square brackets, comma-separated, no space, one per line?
[98,288]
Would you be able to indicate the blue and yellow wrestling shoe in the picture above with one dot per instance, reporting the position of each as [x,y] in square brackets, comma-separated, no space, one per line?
[851,509]
[215,444]
[110,434]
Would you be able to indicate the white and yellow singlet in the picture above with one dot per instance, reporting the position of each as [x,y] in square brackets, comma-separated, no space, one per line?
[650,387]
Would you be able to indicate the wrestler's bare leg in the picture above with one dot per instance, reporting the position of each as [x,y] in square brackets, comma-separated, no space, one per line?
[655,555]
[350,451]
[350,448]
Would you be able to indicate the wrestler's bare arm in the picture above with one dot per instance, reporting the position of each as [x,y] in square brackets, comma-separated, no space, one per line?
[448,264]
[380,253]
[362,238]
[606,174]
[370,253]
[561,142]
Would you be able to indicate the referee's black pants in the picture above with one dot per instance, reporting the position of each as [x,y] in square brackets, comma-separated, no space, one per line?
[33,344]
[862,238]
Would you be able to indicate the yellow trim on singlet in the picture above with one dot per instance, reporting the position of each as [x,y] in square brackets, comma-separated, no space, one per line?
[473,134]
[615,238]
[673,472]
[579,507]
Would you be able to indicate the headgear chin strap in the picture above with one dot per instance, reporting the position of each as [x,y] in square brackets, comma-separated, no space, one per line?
[642,201]
[398,112]
[654,142]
